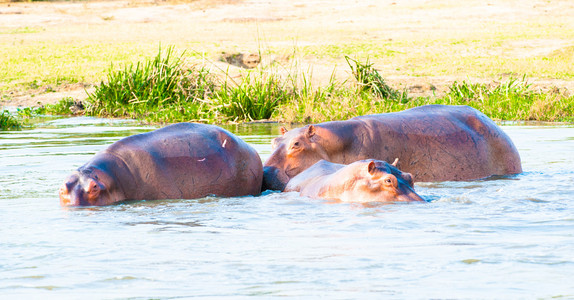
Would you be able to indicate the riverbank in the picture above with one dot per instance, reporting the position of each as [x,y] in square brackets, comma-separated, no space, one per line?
[166,90]
[53,50]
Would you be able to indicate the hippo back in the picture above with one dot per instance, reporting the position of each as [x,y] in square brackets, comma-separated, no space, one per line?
[189,160]
[437,143]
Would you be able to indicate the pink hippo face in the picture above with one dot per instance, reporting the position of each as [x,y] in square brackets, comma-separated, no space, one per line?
[363,181]
[88,187]
[293,152]
[373,181]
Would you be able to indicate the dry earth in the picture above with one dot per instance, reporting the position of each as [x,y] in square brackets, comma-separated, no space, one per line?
[242,25]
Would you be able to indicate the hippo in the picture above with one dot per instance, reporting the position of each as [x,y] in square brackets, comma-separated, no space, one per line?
[434,142]
[180,161]
[361,181]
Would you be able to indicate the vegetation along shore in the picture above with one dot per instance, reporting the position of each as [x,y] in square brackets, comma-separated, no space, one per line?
[242,61]
[164,89]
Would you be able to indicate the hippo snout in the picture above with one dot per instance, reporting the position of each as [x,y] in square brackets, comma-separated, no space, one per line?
[70,196]
[274,179]
[65,199]
[409,196]
[80,191]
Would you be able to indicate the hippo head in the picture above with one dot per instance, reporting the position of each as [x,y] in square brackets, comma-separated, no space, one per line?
[88,187]
[377,181]
[293,152]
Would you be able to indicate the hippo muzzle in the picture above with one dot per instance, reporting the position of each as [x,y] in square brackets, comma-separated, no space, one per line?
[410,196]
[79,191]
[274,179]
[73,196]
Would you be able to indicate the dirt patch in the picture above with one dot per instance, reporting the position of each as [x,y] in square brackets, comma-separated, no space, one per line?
[243,60]
[47,95]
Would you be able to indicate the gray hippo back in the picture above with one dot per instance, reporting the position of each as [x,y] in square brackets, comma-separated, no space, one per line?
[180,161]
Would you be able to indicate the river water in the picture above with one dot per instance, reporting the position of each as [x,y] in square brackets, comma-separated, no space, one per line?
[502,238]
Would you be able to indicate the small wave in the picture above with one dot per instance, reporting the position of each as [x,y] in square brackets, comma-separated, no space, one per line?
[123,278]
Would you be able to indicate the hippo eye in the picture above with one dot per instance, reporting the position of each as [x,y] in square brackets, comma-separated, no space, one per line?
[295,145]
[390,181]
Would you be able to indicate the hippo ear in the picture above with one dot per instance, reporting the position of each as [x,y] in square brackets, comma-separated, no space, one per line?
[408,177]
[283,130]
[373,170]
[394,164]
[372,167]
[310,131]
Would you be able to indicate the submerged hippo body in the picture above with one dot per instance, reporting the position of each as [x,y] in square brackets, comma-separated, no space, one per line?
[180,161]
[433,143]
[361,181]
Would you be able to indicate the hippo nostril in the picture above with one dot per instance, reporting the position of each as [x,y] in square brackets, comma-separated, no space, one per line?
[65,199]
[64,189]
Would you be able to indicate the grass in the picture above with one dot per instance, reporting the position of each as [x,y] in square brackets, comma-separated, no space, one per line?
[67,106]
[8,122]
[482,55]
[369,80]
[255,98]
[511,100]
[29,66]
[152,89]
[40,54]
[35,58]
[164,89]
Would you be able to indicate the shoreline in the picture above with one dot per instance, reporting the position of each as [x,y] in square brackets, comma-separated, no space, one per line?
[417,46]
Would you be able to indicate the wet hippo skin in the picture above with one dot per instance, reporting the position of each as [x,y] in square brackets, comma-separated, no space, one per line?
[180,161]
[433,143]
[362,181]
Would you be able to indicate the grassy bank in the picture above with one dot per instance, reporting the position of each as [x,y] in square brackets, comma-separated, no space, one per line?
[39,57]
[166,89]
[62,46]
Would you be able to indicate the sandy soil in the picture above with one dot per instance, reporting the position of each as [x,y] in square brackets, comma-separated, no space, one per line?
[234,23]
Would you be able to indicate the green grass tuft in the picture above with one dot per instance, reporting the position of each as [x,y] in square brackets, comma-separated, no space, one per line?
[8,122]
[153,89]
[255,98]
[513,99]
[369,79]
[66,106]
